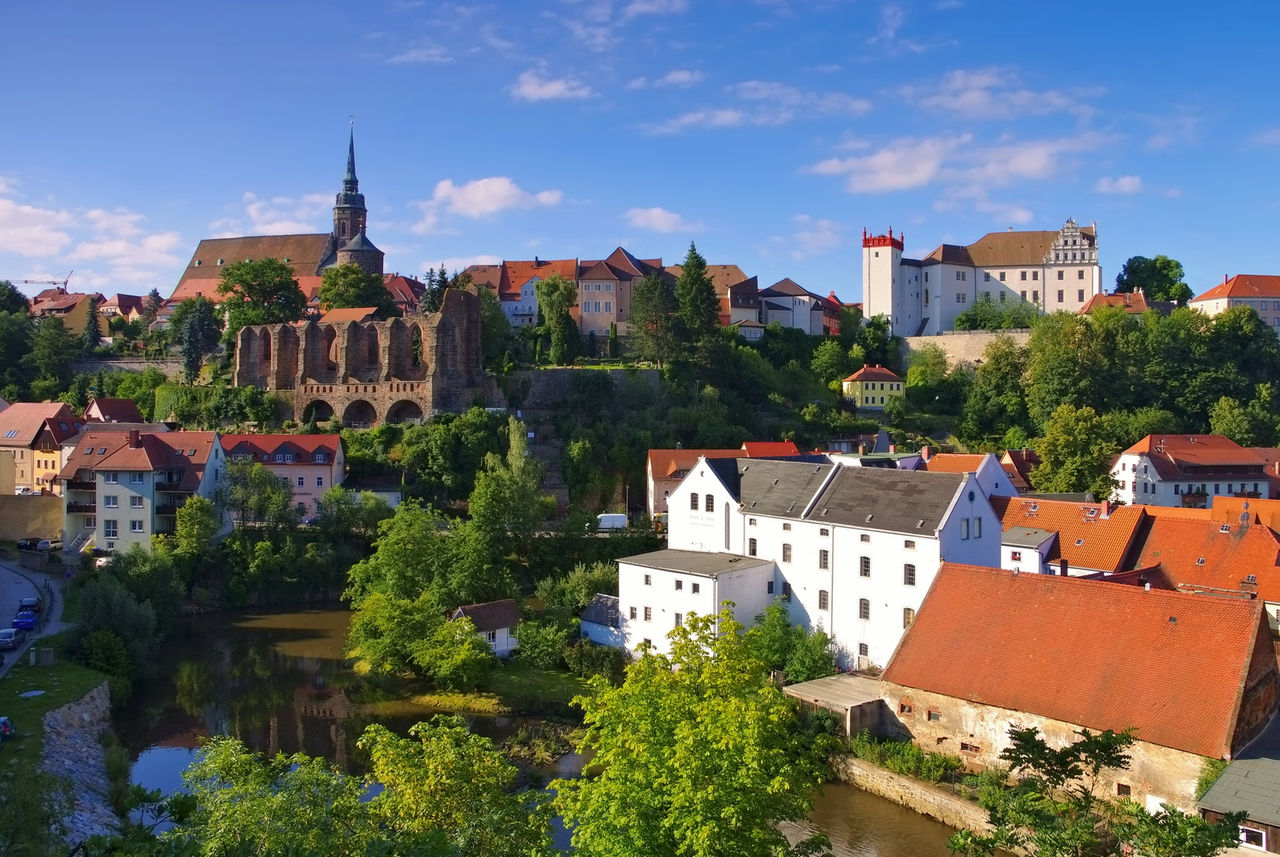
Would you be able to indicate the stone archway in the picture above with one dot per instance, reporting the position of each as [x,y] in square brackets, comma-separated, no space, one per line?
[317,410]
[405,411]
[359,414]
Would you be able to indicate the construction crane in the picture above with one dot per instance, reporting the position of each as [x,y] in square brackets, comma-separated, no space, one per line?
[63,282]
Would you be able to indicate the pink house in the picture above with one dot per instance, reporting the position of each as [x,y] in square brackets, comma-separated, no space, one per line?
[310,463]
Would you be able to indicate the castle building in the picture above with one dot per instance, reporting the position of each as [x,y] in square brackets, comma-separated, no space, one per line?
[308,255]
[1054,270]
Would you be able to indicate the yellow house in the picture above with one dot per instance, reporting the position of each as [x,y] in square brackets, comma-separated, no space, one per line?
[871,387]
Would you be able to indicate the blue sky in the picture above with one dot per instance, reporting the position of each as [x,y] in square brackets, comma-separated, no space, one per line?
[770,132]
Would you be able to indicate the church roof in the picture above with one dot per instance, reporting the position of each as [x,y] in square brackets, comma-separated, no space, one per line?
[304,253]
[360,242]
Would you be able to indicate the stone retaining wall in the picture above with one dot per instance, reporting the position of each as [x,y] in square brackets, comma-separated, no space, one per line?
[962,346]
[72,751]
[926,799]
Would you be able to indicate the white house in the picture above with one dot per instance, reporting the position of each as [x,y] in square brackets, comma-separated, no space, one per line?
[985,467]
[599,621]
[852,549]
[495,623]
[1259,291]
[1054,270]
[1188,470]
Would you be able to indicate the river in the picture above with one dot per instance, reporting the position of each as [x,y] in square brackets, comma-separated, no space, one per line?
[279,683]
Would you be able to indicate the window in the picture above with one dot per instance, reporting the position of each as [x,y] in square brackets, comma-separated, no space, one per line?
[786,528]
[864,608]
[1079,275]
[986,276]
[768,588]
[679,620]
[110,528]
[824,600]
[1253,837]
[135,526]
[1035,275]
[1060,275]
[966,747]
[786,590]
[904,707]
[111,501]
[786,553]
[90,522]
[824,559]
[319,481]
[933,715]
[864,566]
[862,649]
[908,617]
[909,575]
[302,482]
[1024,275]
[693,502]
[909,544]
[711,503]
[135,502]
[1035,296]
[648,580]
[864,538]
[1002,276]
[648,614]
[319,458]
[977,528]
[824,532]
[1002,296]
[964,528]
[1123,790]
[633,612]
[1059,293]
[1016,556]
[1080,294]
[751,522]
[492,637]
[135,478]
[679,585]
[1023,294]
[110,478]
[751,547]
[697,587]
[960,297]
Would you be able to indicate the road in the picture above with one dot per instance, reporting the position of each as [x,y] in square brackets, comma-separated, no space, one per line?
[17,583]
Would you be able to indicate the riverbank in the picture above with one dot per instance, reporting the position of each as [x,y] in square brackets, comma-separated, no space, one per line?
[930,800]
[73,751]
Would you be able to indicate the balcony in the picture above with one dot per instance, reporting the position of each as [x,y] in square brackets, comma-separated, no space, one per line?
[82,508]
[175,485]
[167,509]
[80,485]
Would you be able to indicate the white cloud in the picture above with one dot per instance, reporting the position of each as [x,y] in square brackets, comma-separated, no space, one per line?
[532,86]
[1268,137]
[1008,162]
[653,7]
[154,250]
[479,198]
[30,231]
[766,103]
[991,93]
[455,264]
[1118,185]
[278,215]
[422,54]
[1181,127]
[901,165]
[715,118]
[679,77]
[659,220]
[892,18]
[5,185]
[813,236]
[794,99]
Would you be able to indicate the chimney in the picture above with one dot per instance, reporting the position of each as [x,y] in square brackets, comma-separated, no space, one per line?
[134,440]
[893,448]
[1062,567]
[926,453]
[1106,508]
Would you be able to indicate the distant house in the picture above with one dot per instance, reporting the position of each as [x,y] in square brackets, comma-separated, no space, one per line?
[1018,464]
[495,623]
[71,307]
[600,621]
[991,650]
[21,427]
[871,387]
[792,305]
[667,467]
[985,466]
[311,464]
[1188,470]
[1134,303]
[113,411]
[1250,784]
[1260,292]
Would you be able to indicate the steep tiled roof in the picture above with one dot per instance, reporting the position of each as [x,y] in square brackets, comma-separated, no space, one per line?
[60,428]
[668,462]
[1134,303]
[1199,555]
[769,448]
[264,446]
[787,287]
[407,292]
[491,615]
[771,487]
[185,451]
[1229,509]
[1018,248]
[1243,286]
[896,501]
[304,253]
[1170,452]
[1090,535]
[1017,464]
[949,254]
[954,462]
[114,410]
[1170,665]
[22,421]
[873,373]
[125,304]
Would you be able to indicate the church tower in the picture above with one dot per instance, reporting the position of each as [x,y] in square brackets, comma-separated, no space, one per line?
[349,212]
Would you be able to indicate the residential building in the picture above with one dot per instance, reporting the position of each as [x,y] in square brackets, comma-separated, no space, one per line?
[102,410]
[122,488]
[1261,292]
[31,456]
[791,305]
[666,468]
[495,622]
[130,307]
[1092,538]
[600,621]
[1054,270]
[73,308]
[310,464]
[871,387]
[985,467]
[1133,303]
[992,650]
[852,550]
[515,284]
[1188,470]
[1018,464]
[49,452]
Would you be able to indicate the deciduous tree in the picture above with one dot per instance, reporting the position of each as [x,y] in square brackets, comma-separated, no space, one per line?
[353,286]
[1160,279]
[1075,454]
[260,291]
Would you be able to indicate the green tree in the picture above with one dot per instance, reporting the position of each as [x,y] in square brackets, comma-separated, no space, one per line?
[12,300]
[260,291]
[556,296]
[508,506]
[831,363]
[995,403]
[653,314]
[495,331]
[698,307]
[256,496]
[721,740]
[16,329]
[92,326]
[198,523]
[1160,279]
[196,330]
[454,656]
[53,348]
[1075,454]
[353,286]
[1230,419]
[151,305]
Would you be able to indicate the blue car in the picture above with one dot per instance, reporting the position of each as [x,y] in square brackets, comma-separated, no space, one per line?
[26,620]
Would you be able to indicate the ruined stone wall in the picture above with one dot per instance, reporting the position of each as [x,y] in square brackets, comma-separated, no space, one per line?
[978,733]
[367,373]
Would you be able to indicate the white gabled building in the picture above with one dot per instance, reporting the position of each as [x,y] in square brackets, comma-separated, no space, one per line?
[852,549]
[1188,470]
[1054,270]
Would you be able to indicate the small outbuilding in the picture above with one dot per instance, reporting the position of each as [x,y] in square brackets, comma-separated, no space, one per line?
[495,622]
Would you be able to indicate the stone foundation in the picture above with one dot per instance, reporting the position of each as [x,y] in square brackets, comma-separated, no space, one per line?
[936,802]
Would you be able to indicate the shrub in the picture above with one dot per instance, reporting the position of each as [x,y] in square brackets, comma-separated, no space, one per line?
[587,659]
[542,644]
[903,757]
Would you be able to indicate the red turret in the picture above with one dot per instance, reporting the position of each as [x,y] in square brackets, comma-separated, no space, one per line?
[882,240]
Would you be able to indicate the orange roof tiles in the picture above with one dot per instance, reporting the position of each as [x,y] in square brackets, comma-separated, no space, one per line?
[668,462]
[1134,303]
[1199,555]
[954,462]
[1243,286]
[22,421]
[769,448]
[363,313]
[1090,535]
[262,445]
[1194,450]
[184,451]
[1170,665]
[873,373]
[1018,464]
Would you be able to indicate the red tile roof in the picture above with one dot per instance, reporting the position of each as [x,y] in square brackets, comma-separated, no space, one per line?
[873,373]
[184,451]
[1171,452]
[491,615]
[1134,303]
[954,462]
[769,448]
[363,313]
[1170,665]
[113,410]
[1090,535]
[668,462]
[1229,509]
[1200,556]
[22,421]
[1018,464]
[304,254]
[264,446]
[1243,286]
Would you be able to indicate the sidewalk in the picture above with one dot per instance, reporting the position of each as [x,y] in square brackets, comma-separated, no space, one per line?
[17,583]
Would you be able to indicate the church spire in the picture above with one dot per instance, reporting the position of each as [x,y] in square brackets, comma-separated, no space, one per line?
[349,182]
[348,210]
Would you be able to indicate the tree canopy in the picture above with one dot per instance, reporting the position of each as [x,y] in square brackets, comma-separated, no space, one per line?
[697,306]
[353,286]
[1160,279]
[259,291]
[653,314]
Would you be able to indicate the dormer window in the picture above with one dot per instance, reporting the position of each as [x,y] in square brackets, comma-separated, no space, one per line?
[320,458]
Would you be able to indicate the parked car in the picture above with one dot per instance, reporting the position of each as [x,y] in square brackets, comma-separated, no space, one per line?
[49,545]
[102,562]
[11,638]
[26,620]
[28,544]
[31,602]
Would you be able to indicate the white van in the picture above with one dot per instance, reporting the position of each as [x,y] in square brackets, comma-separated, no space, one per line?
[611,521]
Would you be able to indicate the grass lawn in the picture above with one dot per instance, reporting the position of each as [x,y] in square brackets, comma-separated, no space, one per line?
[62,683]
[513,687]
